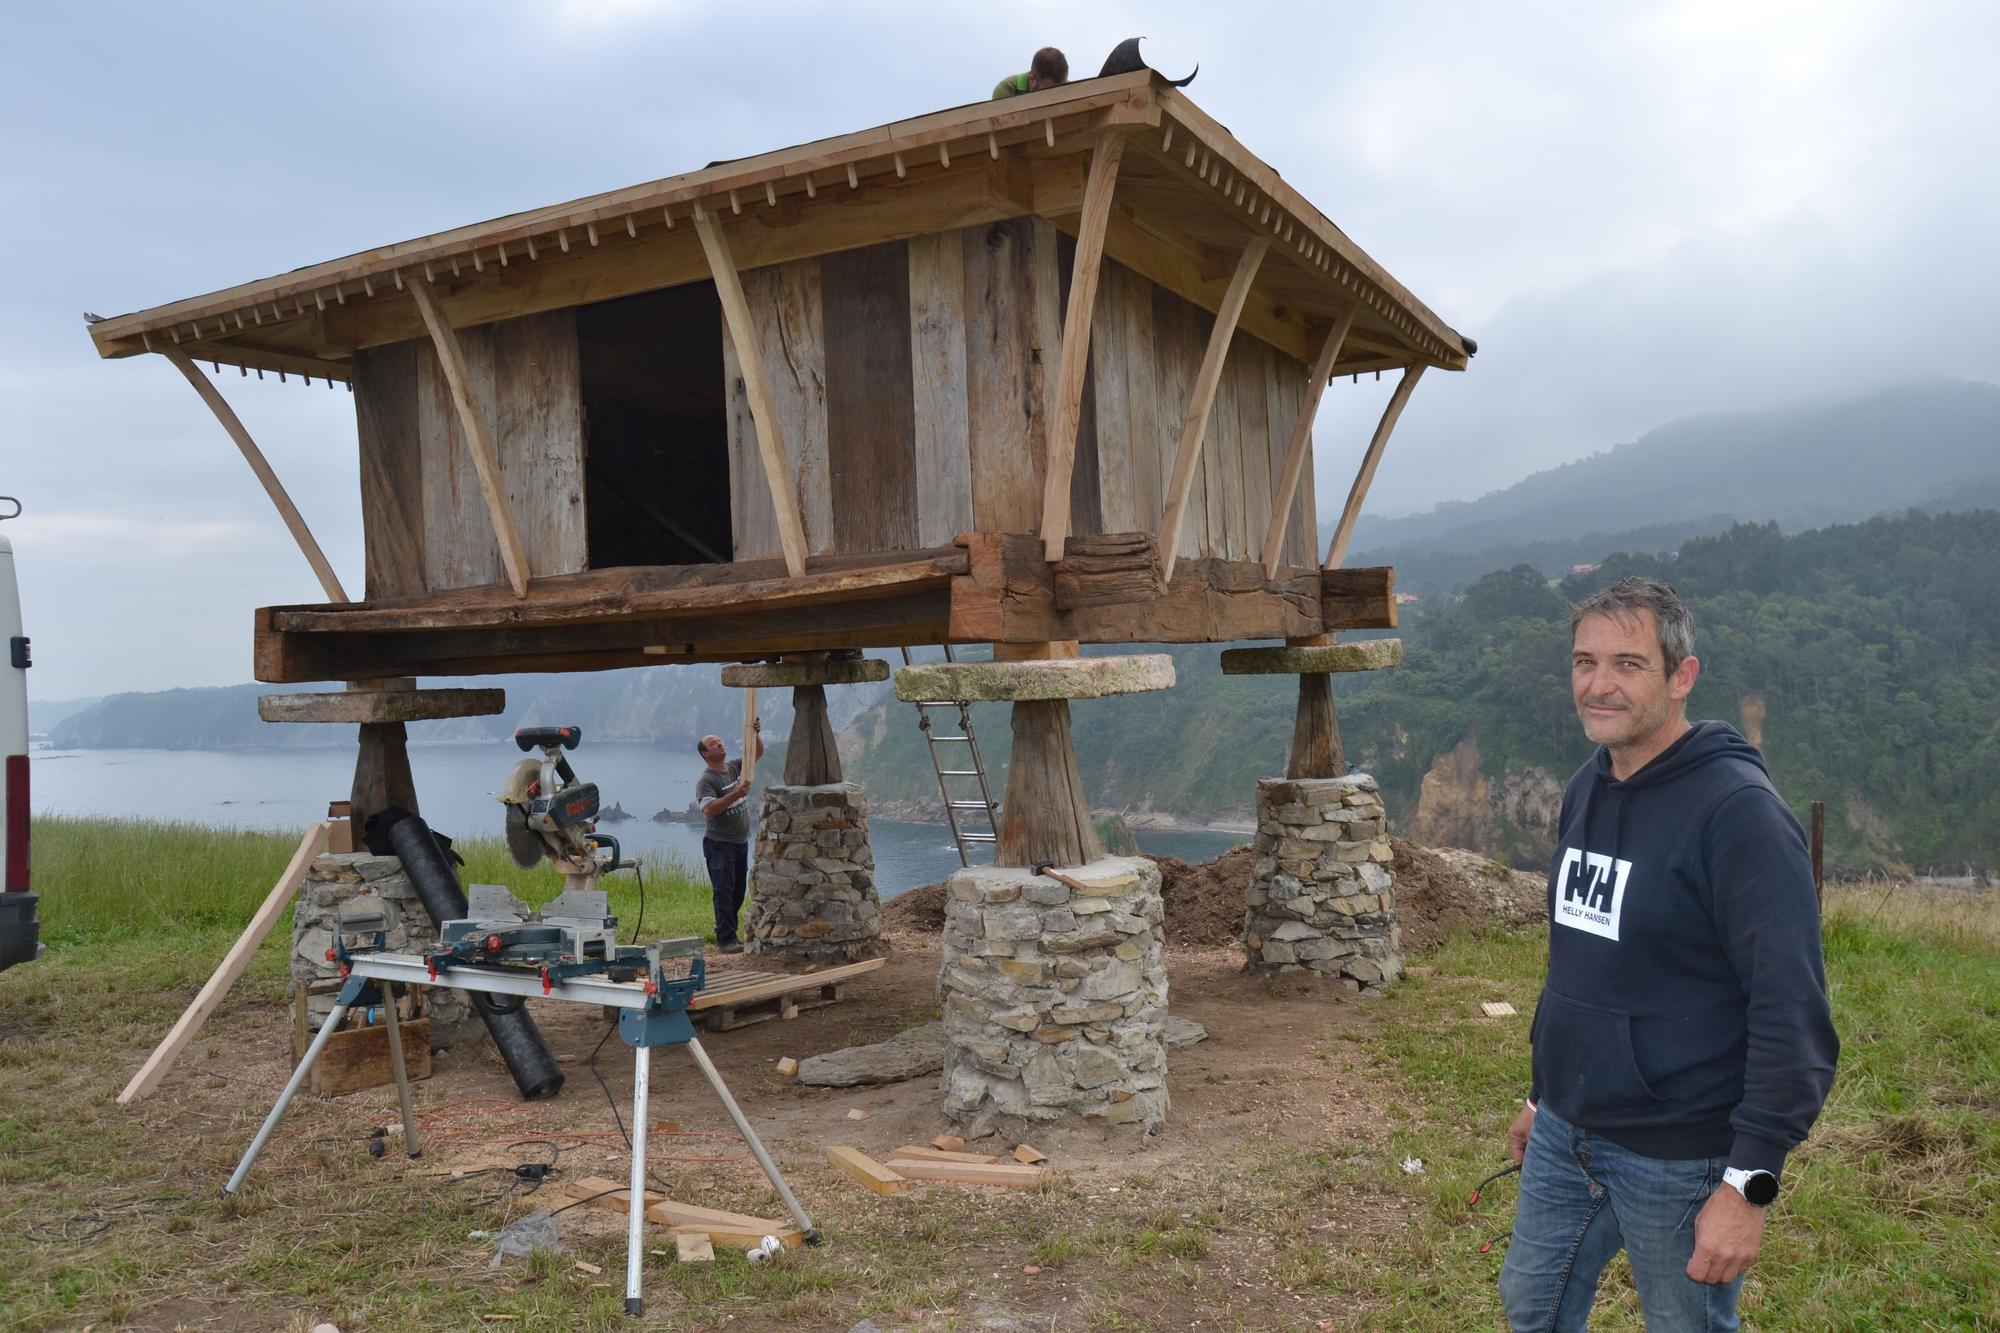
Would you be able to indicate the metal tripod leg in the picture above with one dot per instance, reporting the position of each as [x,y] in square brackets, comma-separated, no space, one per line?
[805,1224]
[410,1144]
[297,1081]
[635,1222]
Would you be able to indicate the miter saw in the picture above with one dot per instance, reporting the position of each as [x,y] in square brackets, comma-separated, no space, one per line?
[549,814]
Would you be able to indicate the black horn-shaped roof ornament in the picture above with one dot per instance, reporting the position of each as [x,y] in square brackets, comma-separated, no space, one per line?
[1125,59]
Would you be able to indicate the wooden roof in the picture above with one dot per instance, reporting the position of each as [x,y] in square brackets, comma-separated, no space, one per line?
[1188,198]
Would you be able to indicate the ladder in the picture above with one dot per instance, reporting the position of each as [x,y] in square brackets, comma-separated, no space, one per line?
[952,764]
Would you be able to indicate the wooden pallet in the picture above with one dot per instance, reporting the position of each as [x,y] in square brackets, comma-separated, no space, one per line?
[739,997]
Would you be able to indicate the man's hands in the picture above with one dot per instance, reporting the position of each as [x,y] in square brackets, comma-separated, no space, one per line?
[1728,1233]
[1517,1133]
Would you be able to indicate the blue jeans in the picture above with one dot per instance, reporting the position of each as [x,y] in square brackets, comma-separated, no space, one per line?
[728,875]
[1583,1198]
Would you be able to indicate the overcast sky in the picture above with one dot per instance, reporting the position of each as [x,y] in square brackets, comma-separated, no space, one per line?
[1639,211]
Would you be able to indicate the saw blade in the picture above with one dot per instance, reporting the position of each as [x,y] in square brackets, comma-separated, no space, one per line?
[523,843]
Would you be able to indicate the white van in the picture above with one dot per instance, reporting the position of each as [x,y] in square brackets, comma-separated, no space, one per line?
[19,931]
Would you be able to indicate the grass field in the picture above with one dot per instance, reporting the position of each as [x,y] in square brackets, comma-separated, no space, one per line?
[1890,1219]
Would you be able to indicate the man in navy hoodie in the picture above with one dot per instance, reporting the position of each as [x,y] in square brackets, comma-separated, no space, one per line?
[1682,1044]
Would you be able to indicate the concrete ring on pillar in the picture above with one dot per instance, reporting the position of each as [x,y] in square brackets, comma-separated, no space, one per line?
[1368,655]
[773,675]
[1040,679]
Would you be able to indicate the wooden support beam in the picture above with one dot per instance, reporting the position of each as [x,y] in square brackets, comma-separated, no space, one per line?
[232,965]
[750,732]
[1045,815]
[272,487]
[1301,446]
[1203,399]
[478,439]
[1074,354]
[763,409]
[812,759]
[1336,551]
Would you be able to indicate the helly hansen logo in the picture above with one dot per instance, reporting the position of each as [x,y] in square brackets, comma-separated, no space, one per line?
[1590,891]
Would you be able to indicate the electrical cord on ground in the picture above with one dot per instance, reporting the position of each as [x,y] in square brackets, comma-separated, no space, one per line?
[640,923]
[1479,1189]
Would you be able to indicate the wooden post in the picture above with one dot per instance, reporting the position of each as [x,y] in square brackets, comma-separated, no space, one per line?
[1203,399]
[1336,551]
[811,758]
[1045,815]
[1301,446]
[478,440]
[272,487]
[225,975]
[749,735]
[756,387]
[1074,353]
[1316,749]
[381,774]
[1819,850]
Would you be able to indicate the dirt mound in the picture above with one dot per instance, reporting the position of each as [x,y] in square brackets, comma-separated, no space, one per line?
[1204,901]
[1441,890]
[918,912]
[1438,891]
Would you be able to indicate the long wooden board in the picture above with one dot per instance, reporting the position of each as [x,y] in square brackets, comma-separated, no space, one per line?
[870,413]
[232,965]
[768,987]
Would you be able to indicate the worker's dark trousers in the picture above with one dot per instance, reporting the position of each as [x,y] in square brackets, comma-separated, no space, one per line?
[728,875]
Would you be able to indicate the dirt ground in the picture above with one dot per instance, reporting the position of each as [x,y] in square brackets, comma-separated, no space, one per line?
[1274,1071]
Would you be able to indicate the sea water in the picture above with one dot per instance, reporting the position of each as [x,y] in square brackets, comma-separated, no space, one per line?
[457,785]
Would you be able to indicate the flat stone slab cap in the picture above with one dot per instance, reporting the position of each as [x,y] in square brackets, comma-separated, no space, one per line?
[1369,655]
[770,675]
[1047,678]
[380,705]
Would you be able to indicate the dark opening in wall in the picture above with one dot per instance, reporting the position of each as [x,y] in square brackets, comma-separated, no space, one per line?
[656,478]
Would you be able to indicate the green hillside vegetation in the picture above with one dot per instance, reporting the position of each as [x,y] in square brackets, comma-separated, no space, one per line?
[1873,648]
[1802,467]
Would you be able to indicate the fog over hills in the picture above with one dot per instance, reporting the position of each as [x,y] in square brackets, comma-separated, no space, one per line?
[1933,446]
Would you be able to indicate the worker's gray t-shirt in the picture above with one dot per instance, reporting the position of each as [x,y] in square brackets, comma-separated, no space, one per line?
[733,824]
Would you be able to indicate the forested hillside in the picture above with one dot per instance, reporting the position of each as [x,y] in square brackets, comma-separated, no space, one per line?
[1866,659]
[1932,446]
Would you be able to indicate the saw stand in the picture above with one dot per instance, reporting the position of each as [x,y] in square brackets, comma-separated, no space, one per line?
[652,1013]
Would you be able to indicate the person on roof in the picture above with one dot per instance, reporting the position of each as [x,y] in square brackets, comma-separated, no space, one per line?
[1049,70]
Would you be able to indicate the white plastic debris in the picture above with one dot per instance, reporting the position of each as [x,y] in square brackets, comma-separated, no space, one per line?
[1413,1166]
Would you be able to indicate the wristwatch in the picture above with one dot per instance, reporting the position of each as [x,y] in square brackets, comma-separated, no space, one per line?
[1758,1187]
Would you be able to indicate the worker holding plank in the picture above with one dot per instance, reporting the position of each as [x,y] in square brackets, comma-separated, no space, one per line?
[724,793]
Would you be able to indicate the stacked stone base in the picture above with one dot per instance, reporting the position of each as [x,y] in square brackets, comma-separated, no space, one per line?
[1054,1000]
[812,884]
[1321,896]
[352,887]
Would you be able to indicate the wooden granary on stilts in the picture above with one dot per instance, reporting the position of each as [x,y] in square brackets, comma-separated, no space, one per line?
[1036,373]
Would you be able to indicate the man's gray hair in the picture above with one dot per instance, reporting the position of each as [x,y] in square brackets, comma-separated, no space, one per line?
[1629,596]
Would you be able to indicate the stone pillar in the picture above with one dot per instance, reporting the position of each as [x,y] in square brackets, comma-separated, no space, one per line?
[1321,895]
[353,886]
[812,884]
[1055,998]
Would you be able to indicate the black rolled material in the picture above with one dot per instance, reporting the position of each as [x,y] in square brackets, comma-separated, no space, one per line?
[535,1071]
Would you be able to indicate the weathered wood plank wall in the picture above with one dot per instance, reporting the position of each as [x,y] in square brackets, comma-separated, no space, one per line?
[919,371]
[910,381]
[424,523]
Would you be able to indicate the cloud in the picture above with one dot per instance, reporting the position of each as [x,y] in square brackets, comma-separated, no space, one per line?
[1640,212]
